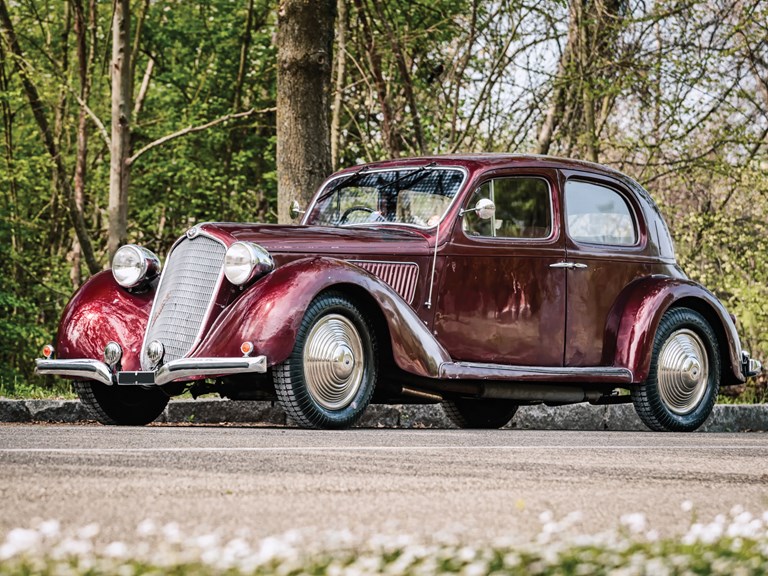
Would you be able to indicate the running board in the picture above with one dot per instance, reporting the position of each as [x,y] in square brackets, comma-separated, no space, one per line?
[558,374]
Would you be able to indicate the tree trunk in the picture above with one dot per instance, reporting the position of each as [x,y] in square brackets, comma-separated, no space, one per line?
[304,45]
[119,171]
[338,95]
[583,89]
[38,111]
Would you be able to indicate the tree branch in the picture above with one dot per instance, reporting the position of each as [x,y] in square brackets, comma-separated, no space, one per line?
[192,129]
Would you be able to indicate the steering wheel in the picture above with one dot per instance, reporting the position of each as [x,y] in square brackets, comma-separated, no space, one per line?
[349,211]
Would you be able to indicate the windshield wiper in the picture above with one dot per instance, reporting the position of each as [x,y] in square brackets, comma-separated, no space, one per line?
[351,179]
[423,170]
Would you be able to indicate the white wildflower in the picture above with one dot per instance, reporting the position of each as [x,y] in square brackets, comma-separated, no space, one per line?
[686,506]
[477,568]
[88,532]
[72,547]
[49,528]
[146,528]
[18,541]
[206,541]
[634,522]
[116,550]
[171,532]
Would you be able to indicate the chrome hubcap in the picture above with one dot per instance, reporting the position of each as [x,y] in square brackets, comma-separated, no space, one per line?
[333,362]
[683,371]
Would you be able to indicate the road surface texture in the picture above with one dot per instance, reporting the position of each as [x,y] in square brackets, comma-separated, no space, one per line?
[479,485]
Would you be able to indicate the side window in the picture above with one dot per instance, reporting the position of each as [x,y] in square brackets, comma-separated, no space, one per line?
[598,215]
[523,209]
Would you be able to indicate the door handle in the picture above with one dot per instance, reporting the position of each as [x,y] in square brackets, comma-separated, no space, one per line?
[570,265]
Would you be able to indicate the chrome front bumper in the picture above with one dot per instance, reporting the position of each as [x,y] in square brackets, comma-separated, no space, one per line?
[180,369]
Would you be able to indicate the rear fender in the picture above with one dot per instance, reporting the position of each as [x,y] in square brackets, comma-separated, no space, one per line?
[269,314]
[102,311]
[637,313]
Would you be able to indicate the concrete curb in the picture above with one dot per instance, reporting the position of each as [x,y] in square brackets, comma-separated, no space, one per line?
[725,418]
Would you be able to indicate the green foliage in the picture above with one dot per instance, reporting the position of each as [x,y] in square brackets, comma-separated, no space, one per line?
[224,173]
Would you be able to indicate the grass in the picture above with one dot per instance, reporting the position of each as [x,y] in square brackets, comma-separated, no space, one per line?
[733,543]
[19,389]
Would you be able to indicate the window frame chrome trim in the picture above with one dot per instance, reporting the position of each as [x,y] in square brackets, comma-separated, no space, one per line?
[625,196]
[517,239]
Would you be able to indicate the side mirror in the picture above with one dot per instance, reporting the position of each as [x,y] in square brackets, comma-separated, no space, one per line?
[485,209]
[295,210]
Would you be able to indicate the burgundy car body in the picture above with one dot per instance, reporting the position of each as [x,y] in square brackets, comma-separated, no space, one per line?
[458,313]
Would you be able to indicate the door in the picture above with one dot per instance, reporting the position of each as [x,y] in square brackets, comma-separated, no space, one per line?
[500,301]
[606,249]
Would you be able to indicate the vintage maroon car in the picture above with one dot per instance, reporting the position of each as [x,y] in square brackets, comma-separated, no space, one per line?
[484,282]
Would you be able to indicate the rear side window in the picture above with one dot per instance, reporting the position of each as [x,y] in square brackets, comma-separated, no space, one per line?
[523,209]
[598,215]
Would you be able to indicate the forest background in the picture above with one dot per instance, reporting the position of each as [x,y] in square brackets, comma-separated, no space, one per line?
[672,92]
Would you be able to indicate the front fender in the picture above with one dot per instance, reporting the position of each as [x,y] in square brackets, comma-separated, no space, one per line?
[100,311]
[637,313]
[269,314]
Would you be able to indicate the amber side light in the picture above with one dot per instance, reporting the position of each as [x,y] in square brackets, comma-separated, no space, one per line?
[48,351]
[246,348]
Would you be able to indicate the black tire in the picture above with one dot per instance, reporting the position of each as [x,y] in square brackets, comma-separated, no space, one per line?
[121,405]
[482,413]
[684,377]
[333,388]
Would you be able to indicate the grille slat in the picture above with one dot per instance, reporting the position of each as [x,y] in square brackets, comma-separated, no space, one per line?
[401,276]
[184,296]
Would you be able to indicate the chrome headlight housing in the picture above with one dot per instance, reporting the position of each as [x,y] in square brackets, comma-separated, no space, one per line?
[134,264]
[245,261]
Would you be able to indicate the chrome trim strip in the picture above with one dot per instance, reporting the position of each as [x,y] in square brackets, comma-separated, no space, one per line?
[187,367]
[211,302]
[480,371]
[76,368]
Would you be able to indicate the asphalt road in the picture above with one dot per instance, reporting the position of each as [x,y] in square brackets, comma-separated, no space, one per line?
[480,485]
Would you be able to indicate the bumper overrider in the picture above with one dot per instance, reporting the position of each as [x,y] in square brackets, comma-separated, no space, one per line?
[749,366]
[181,369]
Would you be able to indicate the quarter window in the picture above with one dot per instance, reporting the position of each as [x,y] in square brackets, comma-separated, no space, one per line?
[598,215]
[523,209]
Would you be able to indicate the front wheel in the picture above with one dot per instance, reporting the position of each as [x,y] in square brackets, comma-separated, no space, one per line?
[121,405]
[329,378]
[480,413]
[684,377]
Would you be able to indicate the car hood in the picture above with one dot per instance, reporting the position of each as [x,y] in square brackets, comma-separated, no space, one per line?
[314,240]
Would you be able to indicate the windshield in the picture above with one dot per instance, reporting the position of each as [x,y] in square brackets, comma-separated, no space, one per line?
[416,196]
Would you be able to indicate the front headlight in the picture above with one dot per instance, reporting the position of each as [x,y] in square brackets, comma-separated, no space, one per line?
[133,264]
[246,260]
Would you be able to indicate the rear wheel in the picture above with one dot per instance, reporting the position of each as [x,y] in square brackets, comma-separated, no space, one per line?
[482,413]
[329,378]
[121,405]
[684,377]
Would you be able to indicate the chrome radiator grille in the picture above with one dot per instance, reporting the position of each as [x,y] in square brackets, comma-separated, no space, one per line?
[184,296]
[401,276]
